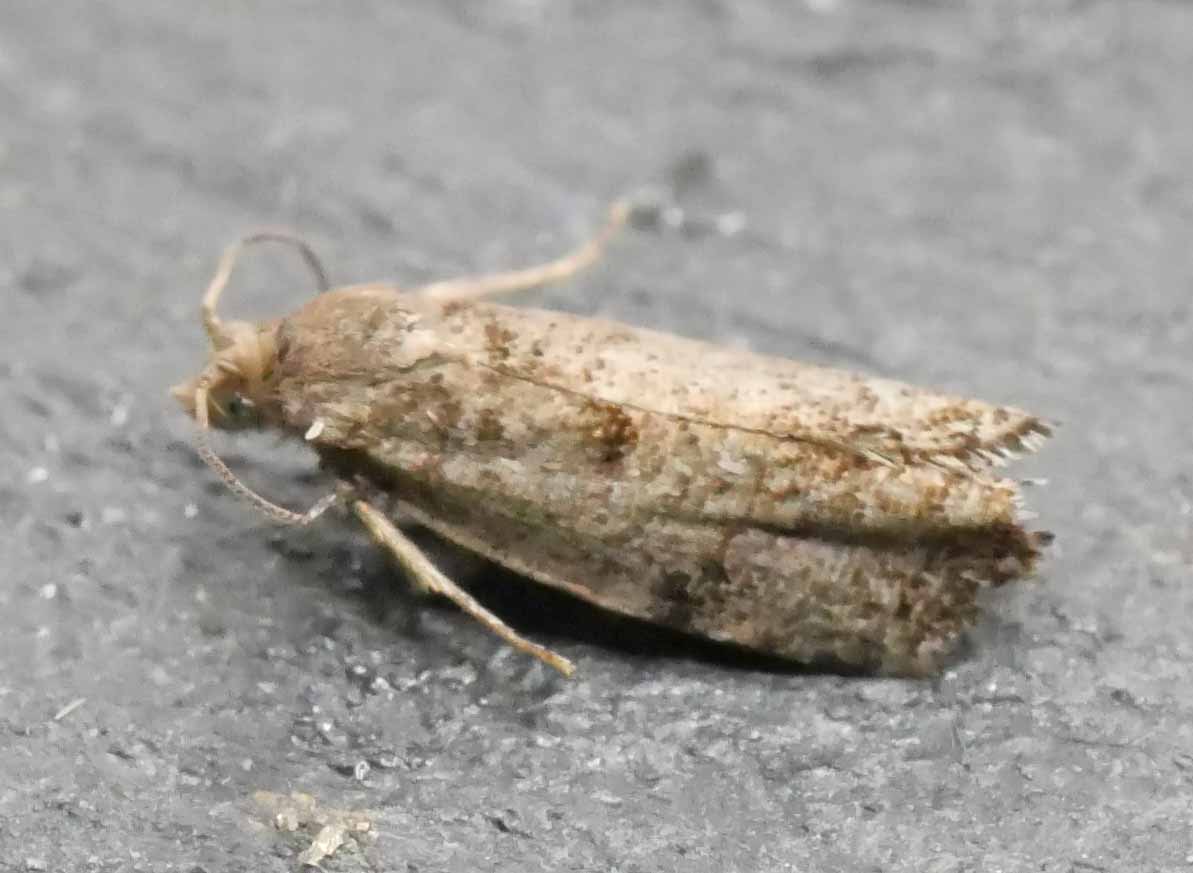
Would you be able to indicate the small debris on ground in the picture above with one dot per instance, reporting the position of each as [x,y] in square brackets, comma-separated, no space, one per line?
[331,827]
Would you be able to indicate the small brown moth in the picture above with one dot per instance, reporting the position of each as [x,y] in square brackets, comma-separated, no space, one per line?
[795,510]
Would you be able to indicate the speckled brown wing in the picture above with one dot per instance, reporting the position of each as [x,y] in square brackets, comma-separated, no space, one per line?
[793,509]
[547,409]
[695,380]
[888,605]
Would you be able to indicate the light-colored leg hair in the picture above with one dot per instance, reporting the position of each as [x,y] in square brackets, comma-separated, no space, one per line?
[476,287]
[427,577]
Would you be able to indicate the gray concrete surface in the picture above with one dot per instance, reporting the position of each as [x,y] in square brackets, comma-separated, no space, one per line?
[993,198]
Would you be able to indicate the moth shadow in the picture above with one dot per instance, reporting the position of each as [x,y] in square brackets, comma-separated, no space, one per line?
[547,615]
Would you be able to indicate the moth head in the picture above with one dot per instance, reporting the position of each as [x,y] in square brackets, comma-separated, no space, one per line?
[233,386]
[232,392]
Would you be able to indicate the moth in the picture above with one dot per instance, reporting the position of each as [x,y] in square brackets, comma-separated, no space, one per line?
[805,512]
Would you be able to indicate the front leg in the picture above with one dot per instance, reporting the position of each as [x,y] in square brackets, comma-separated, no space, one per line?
[427,577]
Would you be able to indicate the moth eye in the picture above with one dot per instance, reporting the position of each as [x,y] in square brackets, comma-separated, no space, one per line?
[239,406]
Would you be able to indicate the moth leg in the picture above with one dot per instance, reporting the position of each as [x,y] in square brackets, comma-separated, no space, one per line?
[476,287]
[427,577]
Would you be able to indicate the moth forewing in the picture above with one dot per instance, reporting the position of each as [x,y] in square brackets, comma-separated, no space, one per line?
[796,510]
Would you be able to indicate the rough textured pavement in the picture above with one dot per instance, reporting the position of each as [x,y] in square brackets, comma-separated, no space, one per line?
[993,198]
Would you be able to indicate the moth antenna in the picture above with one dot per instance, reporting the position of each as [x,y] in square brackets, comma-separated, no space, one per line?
[475,287]
[274,512]
[212,323]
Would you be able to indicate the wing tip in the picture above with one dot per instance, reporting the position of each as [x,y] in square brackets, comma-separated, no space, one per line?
[1026,437]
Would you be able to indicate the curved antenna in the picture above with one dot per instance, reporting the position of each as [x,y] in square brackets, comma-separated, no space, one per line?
[276,513]
[476,287]
[222,338]
[211,322]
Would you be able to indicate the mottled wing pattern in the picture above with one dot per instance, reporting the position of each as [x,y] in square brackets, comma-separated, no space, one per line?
[703,382]
[797,510]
